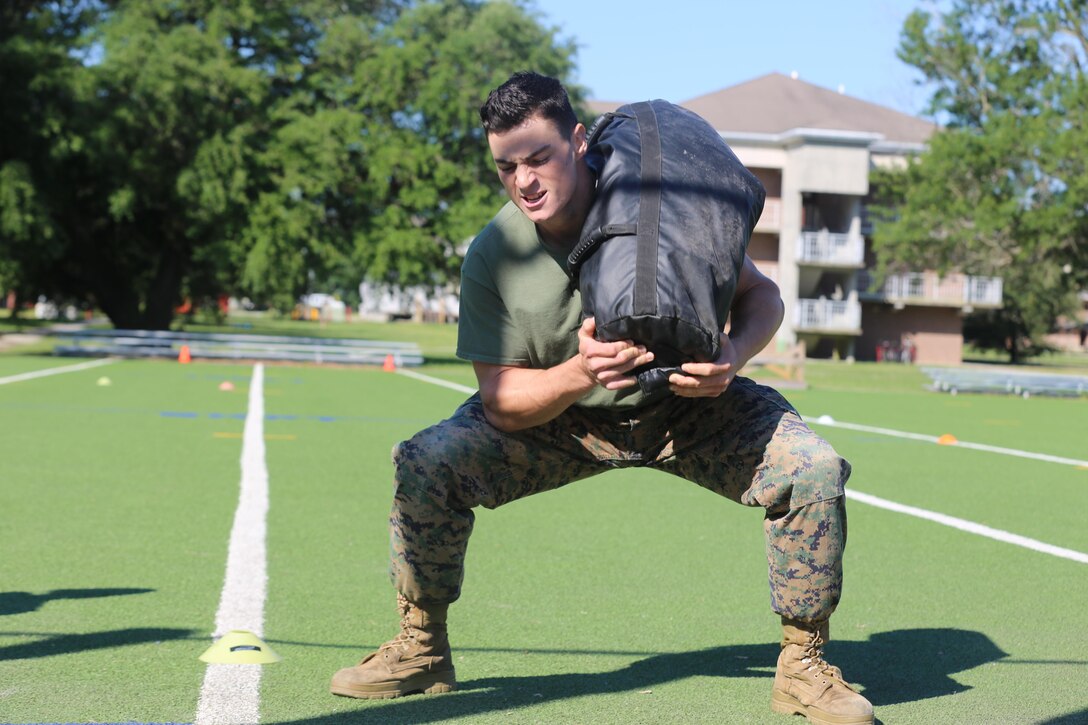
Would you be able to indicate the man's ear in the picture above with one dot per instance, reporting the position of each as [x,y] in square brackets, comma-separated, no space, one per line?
[580,141]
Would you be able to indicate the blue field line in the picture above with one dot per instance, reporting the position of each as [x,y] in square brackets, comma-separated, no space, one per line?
[290,417]
[213,415]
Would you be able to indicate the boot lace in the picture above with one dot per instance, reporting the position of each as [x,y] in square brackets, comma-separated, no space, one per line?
[407,636]
[814,658]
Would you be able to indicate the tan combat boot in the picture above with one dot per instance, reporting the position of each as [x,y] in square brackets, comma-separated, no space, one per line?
[806,685]
[416,660]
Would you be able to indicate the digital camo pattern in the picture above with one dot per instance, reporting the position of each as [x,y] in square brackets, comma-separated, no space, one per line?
[748,445]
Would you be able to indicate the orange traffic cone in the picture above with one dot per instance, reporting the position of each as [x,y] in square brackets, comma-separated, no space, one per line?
[184,356]
[390,365]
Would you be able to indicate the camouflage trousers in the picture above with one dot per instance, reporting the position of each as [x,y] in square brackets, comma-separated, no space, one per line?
[748,445]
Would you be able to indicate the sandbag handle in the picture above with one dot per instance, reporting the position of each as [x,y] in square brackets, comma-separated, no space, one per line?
[654,379]
[591,242]
[585,248]
[601,124]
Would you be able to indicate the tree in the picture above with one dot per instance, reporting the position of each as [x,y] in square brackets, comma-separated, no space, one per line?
[39,44]
[384,170]
[1001,189]
[161,149]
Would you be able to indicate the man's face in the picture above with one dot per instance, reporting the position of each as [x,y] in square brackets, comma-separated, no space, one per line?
[539,168]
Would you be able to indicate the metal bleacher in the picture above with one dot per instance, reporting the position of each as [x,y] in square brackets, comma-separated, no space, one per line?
[221,346]
[1005,382]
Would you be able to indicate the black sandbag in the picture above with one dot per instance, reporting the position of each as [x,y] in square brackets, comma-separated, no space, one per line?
[665,238]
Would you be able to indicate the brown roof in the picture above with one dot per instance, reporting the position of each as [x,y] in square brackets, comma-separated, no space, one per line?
[776,103]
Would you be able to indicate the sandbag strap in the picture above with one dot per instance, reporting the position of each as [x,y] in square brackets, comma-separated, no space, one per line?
[649,210]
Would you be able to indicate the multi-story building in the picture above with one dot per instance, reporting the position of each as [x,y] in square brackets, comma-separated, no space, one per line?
[813,149]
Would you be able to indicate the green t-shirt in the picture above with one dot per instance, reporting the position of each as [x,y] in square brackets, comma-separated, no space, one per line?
[519,307]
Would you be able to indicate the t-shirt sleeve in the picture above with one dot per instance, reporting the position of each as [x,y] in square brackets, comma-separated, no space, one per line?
[485,331]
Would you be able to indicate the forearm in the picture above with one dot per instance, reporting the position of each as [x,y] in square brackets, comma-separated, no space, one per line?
[755,318]
[519,398]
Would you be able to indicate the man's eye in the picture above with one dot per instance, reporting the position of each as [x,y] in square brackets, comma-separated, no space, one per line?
[540,161]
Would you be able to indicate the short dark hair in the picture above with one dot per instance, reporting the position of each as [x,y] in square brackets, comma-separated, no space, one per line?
[523,95]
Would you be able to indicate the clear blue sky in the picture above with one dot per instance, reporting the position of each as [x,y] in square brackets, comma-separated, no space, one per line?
[679,49]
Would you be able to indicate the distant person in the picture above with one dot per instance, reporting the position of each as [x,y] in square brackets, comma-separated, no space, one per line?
[908,350]
[556,405]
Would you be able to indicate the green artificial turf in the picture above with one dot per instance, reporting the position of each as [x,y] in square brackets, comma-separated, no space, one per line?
[115,518]
[15,364]
[632,597]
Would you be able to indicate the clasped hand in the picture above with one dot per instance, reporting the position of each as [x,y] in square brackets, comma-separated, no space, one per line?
[707,380]
[609,364]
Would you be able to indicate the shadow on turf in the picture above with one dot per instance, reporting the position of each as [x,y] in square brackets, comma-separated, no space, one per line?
[1074,718]
[23,602]
[893,667]
[63,644]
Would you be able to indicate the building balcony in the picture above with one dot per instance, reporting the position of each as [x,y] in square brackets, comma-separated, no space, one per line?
[830,249]
[929,289]
[841,317]
[771,219]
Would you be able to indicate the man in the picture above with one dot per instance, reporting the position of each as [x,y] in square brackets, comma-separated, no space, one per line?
[556,405]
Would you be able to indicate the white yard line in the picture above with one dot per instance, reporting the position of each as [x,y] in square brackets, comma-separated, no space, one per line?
[961,524]
[969,526]
[55,371]
[231,693]
[437,381]
[960,444]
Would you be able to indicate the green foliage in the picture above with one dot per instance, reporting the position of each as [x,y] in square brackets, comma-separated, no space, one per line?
[1001,190]
[161,149]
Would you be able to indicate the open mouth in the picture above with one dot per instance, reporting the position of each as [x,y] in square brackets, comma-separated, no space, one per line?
[533,201]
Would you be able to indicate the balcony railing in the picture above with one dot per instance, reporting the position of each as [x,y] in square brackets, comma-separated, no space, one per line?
[929,288]
[832,249]
[842,316]
[771,218]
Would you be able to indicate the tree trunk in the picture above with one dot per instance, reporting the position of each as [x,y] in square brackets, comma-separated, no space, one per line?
[129,306]
[13,303]
[165,293]
[120,305]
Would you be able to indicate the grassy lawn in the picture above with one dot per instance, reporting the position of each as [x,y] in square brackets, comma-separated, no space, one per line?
[630,597]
